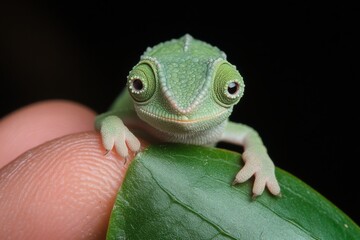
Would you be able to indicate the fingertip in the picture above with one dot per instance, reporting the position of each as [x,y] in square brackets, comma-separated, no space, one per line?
[40,122]
[108,140]
[133,144]
[65,187]
[122,149]
[274,188]
[244,174]
[259,186]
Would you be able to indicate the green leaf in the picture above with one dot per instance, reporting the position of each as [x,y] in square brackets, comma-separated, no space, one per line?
[184,192]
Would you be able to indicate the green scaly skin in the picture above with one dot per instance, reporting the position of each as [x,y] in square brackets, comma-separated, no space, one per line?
[184,90]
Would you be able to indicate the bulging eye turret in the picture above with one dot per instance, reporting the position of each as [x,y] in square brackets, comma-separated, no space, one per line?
[141,82]
[228,84]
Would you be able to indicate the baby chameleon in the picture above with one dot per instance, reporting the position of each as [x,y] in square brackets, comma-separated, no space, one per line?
[183,91]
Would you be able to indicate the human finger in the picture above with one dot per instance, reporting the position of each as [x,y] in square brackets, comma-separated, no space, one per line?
[39,122]
[63,189]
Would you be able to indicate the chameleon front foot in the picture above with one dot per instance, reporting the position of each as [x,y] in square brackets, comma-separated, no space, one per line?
[115,134]
[259,165]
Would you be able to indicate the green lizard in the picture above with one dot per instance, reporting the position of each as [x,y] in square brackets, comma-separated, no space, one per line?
[184,90]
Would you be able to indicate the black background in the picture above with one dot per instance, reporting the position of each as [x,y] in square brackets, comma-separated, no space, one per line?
[298,63]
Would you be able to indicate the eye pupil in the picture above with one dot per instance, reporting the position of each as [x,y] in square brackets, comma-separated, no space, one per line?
[233,87]
[137,84]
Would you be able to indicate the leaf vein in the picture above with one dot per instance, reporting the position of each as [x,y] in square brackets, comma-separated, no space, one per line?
[184,205]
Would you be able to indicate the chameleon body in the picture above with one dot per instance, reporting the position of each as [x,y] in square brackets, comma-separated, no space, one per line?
[184,91]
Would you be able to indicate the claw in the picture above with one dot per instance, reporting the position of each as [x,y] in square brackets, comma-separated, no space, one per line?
[235,182]
[254,196]
[107,152]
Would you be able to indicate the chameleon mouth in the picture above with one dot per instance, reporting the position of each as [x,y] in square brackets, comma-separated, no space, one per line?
[182,119]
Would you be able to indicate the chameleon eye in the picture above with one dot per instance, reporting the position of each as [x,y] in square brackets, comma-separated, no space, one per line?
[141,82]
[233,88]
[228,85]
[136,85]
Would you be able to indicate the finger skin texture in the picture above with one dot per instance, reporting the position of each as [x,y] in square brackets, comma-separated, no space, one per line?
[39,122]
[63,189]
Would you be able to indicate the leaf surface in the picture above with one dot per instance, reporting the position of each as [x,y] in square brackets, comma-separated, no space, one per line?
[176,191]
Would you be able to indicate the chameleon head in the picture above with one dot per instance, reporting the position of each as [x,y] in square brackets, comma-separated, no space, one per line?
[184,85]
